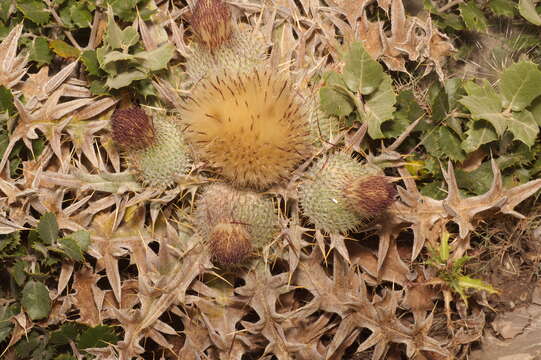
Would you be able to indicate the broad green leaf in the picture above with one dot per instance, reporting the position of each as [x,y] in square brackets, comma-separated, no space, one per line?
[63,49]
[18,271]
[80,15]
[334,102]
[129,37]
[67,332]
[99,336]
[48,228]
[519,85]
[479,133]
[477,181]
[90,61]
[362,73]
[487,107]
[379,107]
[156,59]
[526,8]
[502,7]
[6,313]
[40,52]
[524,127]
[71,248]
[114,56]
[6,100]
[473,17]
[36,300]
[124,9]
[82,238]
[125,78]
[34,11]
[450,144]
[536,111]
[113,35]
[332,78]
[408,111]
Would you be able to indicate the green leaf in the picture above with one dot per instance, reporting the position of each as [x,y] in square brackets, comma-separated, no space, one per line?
[36,300]
[80,15]
[379,107]
[63,49]
[6,313]
[18,271]
[34,11]
[124,9]
[129,37]
[40,52]
[473,17]
[536,111]
[82,238]
[502,7]
[6,100]
[477,284]
[125,78]
[524,127]
[114,56]
[479,133]
[48,228]
[71,248]
[113,35]
[156,59]
[477,181]
[526,8]
[362,73]
[334,102]
[99,336]
[67,332]
[450,144]
[519,85]
[90,61]
[488,107]
[408,111]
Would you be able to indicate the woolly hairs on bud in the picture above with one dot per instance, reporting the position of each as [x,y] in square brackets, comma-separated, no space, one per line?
[132,128]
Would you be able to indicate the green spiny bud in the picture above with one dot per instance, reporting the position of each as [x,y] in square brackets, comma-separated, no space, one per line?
[232,221]
[341,193]
[155,149]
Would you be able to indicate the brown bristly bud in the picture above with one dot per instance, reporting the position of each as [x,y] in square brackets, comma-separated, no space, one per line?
[211,22]
[229,243]
[132,128]
[372,195]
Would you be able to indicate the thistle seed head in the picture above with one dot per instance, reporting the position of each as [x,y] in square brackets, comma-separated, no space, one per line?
[229,243]
[253,128]
[211,22]
[372,195]
[132,128]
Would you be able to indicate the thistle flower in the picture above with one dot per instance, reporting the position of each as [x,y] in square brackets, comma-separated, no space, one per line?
[253,128]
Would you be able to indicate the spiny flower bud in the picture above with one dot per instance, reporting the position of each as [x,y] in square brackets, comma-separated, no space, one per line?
[232,221]
[253,128]
[132,128]
[229,243]
[340,193]
[211,22]
[371,195]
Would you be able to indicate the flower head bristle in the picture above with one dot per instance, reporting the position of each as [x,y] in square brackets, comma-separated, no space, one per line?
[229,243]
[253,128]
[371,195]
[132,128]
[211,22]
